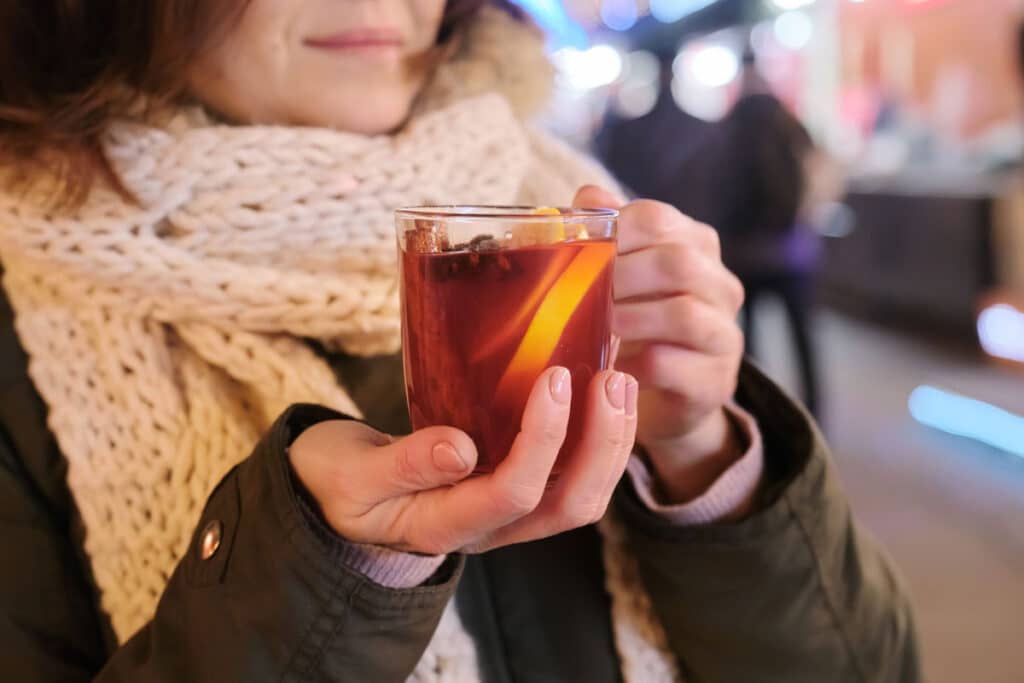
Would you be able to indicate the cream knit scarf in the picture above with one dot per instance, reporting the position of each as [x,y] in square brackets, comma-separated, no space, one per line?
[165,336]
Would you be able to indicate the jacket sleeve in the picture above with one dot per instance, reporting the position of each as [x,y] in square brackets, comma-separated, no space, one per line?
[794,593]
[50,629]
[274,602]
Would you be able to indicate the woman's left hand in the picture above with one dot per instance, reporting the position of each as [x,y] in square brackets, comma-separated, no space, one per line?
[675,313]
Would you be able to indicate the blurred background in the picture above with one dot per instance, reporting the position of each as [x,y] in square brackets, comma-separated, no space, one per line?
[861,159]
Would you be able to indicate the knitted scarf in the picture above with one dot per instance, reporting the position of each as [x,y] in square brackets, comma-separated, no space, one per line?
[165,335]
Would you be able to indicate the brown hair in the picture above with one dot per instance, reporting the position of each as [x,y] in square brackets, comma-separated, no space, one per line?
[68,67]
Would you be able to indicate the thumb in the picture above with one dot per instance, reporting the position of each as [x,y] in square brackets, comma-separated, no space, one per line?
[424,460]
[594,197]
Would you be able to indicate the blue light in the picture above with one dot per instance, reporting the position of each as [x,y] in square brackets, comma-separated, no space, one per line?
[669,11]
[967,417]
[552,17]
[619,15]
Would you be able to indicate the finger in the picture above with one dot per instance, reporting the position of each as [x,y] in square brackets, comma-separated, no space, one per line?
[581,494]
[598,433]
[681,320]
[676,268]
[444,520]
[628,438]
[685,377]
[594,197]
[424,460]
[682,387]
[645,223]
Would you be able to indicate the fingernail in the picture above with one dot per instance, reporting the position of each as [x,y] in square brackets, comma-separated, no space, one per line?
[632,392]
[447,458]
[561,388]
[615,388]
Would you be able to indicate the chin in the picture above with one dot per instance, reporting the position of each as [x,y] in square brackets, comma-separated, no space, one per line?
[365,113]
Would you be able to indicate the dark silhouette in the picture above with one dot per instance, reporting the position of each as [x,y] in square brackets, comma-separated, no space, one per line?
[744,175]
[647,152]
[754,188]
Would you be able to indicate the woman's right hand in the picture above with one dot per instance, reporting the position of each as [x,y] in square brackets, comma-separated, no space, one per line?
[413,494]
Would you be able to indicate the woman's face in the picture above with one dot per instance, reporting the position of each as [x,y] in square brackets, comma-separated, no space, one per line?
[344,64]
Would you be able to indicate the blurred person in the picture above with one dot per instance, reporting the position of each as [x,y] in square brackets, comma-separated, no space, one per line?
[761,198]
[751,80]
[645,153]
[198,252]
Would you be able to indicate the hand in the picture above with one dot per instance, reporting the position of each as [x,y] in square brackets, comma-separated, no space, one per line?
[414,494]
[675,313]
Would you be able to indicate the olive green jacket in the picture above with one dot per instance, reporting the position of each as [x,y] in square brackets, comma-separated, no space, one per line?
[793,593]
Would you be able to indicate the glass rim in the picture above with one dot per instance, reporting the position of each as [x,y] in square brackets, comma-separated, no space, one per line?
[487,212]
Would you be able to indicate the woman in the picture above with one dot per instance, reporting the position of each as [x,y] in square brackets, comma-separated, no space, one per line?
[216,281]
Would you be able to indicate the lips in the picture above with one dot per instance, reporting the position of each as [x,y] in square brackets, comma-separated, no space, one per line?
[359,39]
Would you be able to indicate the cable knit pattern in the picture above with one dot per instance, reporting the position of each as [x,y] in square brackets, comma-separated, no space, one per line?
[166,334]
[639,637]
[165,337]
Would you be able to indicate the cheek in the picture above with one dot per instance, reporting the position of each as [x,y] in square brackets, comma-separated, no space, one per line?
[426,15]
[241,74]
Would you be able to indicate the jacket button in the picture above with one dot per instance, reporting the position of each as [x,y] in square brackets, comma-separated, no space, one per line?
[209,542]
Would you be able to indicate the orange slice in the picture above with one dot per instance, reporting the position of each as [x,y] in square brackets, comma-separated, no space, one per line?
[498,341]
[533,233]
[525,235]
[549,322]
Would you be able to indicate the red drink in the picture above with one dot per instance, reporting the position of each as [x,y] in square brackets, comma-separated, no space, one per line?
[481,324]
